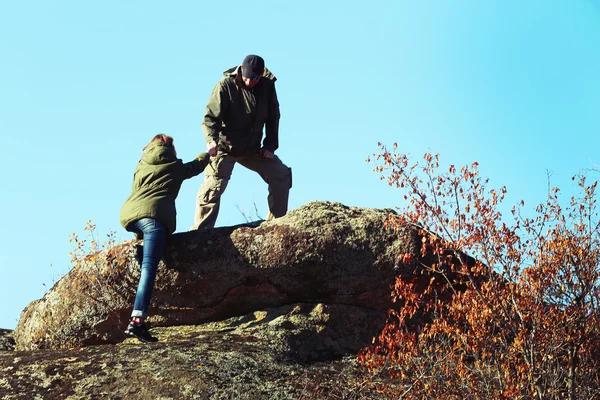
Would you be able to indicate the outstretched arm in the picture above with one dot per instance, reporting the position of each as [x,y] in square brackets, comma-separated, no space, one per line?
[196,166]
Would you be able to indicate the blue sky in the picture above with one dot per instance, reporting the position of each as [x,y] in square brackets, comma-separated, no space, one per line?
[85,85]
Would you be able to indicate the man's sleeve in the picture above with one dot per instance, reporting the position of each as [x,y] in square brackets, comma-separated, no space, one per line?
[271,141]
[215,110]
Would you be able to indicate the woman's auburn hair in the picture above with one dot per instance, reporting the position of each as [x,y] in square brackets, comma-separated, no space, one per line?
[161,137]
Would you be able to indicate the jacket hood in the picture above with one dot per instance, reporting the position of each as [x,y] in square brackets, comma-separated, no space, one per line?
[158,153]
[234,72]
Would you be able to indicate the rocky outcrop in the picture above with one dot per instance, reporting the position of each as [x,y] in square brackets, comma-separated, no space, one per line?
[327,254]
[6,340]
[276,353]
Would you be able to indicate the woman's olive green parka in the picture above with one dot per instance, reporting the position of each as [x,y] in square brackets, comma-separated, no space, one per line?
[156,183]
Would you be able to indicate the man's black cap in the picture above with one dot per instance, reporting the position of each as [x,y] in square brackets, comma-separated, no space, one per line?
[253,67]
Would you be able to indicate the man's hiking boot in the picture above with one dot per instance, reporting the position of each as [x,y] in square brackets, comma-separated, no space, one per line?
[140,331]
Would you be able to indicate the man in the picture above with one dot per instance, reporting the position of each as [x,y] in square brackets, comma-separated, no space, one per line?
[241,104]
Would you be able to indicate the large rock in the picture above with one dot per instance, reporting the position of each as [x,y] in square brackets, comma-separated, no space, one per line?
[262,355]
[309,332]
[322,252]
[6,340]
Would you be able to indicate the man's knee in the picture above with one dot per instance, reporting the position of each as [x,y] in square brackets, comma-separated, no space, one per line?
[282,178]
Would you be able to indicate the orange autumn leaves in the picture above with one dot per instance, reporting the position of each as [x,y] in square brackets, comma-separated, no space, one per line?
[518,320]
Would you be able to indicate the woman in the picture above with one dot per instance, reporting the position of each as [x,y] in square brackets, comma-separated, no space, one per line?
[149,212]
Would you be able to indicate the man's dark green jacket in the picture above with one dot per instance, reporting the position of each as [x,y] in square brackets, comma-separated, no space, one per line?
[156,183]
[235,115]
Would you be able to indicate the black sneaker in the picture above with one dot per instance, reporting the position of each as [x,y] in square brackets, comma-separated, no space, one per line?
[140,331]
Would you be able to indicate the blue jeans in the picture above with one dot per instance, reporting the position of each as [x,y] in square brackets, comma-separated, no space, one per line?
[155,235]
